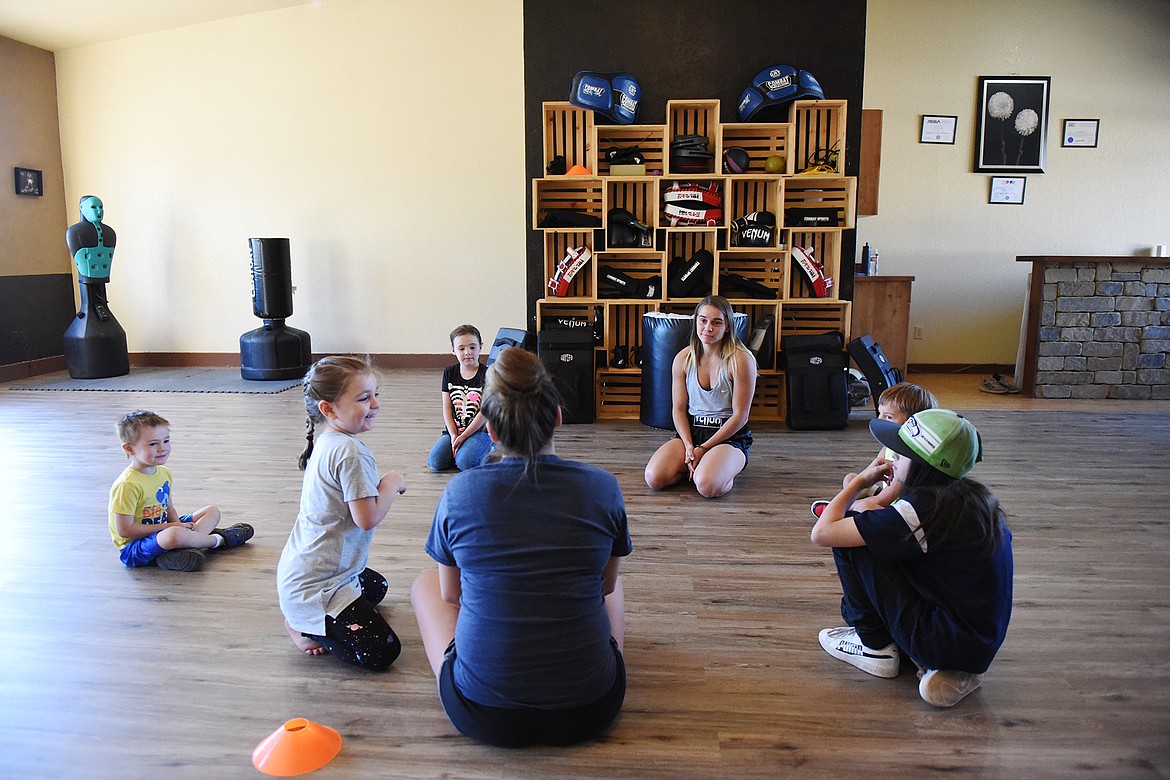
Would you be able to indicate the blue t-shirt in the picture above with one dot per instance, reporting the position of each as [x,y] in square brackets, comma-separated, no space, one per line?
[532,551]
[966,595]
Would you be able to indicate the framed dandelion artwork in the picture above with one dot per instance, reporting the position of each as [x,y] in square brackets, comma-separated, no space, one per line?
[1012,131]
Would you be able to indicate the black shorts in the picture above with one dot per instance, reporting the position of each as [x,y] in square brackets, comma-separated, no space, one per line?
[703,428]
[523,726]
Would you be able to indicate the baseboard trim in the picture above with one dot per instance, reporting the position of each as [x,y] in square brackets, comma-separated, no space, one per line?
[29,368]
[961,368]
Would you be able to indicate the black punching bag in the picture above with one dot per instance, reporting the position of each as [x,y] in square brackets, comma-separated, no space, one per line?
[274,351]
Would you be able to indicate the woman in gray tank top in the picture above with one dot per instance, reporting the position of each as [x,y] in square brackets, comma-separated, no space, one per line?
[713,382]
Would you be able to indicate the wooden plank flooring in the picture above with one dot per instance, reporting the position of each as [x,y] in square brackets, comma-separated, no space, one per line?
[111,672]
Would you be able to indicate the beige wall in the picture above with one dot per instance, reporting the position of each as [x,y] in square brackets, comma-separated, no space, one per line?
[386,140]
[1107,60]
[33,229]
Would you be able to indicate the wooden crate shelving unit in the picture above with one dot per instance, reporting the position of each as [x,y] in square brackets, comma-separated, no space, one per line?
[813,125]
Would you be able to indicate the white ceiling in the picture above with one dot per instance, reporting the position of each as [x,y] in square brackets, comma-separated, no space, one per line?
[64,24]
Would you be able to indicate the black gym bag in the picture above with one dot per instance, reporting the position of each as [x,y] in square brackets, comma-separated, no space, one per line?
[874,365]
[816,374]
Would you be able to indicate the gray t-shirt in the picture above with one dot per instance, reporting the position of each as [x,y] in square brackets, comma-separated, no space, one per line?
[318,570]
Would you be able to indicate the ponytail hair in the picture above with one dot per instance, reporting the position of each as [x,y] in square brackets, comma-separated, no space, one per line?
[326,381]
[521,403]
[955,508]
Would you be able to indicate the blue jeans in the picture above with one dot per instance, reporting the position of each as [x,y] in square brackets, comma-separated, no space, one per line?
[471,453]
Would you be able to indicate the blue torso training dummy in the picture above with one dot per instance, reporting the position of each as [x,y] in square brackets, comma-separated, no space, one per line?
[91,242]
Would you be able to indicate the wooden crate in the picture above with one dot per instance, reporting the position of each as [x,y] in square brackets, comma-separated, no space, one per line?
[800,318]
[826,247]
[619,394]
[818,125]
[556,244]
[768,402]
[623,323]
[744,195]
[580,311]
[720,183]
[568,131]
[760,141]
[638,264]
[767,266]
[820,191]
[694,117]
[650,140]
[639,196]
[685,244]
[578,193]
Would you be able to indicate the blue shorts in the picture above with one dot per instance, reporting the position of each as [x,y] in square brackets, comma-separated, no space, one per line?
[142,552]
[522,726]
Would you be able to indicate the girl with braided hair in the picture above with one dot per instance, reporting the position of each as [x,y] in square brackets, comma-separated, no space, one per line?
[327,593]
[523,620]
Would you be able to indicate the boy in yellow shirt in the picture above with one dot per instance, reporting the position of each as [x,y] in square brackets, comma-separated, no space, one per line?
[144,524]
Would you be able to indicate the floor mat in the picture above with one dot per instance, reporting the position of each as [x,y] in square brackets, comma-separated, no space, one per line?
[153,379]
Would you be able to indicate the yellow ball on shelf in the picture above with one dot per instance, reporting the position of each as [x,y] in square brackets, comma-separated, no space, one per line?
[774,164]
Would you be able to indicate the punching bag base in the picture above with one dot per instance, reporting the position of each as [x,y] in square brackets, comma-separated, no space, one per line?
[275,351]
[95,348]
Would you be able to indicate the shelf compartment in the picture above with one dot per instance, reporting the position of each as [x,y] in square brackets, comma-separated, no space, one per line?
[760,141]
[720,185]
[768,267]
[769,401]
[619,394]
[641,265]
[818,125]
[639,196]
[836,195]
[826,247]
[568,131]
[745,195]
[650,140]
[576,193]
[580,313]
[556,244]
[694,117]
[801,318]
[623,325]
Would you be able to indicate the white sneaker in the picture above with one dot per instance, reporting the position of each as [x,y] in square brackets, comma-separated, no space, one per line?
[844,644]
[944,688]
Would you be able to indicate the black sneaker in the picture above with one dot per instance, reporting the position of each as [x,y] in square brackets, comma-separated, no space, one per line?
[235,535]
[182,559]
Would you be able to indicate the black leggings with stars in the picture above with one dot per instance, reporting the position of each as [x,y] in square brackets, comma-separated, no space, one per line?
[360,635]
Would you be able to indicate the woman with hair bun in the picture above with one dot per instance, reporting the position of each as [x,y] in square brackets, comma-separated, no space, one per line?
[523,620]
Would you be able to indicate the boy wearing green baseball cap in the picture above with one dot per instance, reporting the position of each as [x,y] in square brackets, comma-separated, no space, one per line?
[930,576]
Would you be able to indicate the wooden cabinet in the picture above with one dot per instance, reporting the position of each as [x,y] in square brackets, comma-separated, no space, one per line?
[881,308]
[771,183]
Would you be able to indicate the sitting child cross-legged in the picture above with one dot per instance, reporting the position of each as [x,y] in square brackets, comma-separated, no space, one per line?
[144,524]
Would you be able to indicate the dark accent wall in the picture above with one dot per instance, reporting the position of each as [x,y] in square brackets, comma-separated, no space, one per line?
[35,310]
[688,50]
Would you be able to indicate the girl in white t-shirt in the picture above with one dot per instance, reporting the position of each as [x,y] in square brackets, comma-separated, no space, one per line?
[327,593]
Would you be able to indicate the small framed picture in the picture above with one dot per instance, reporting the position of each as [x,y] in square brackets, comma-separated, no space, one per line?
[1080,133]
[937,129]
[28,182]
[1007,189]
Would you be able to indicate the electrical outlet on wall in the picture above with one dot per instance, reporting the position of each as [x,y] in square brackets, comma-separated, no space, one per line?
[917,331]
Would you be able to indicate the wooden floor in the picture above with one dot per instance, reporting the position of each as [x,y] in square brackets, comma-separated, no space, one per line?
[109,672]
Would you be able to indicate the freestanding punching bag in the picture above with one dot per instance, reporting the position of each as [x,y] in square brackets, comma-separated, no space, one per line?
[274,351]
[663,337]
[94,343]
